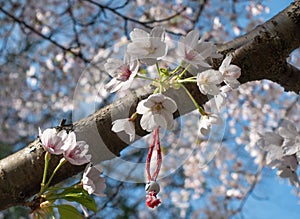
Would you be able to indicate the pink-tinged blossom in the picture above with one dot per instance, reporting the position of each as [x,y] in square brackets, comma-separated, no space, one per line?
[157,111]
[207,121]
[230,72]
[195,51]
[124,125]
[208,82]
[52,140]
[92,182]
[147,47]
[123,73]
[76,152]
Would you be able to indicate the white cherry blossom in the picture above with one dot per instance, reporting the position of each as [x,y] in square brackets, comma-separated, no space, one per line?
[92,182]
[207,121]
[147,47]
[195,51]
[208,82]
[53,141]
[230,72]
[123,73]
[271,142]
[124,125]
[282,150]
[76,152]
[291,175]
[291,143]
[157,111]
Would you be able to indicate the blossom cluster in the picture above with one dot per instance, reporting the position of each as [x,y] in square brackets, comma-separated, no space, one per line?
[193,54]
[60,142]
[283,150]
[64,142]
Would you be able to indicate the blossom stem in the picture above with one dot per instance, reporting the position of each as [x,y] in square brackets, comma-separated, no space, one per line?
[144,77]
[157,68]
[133,117]
[47,158]
[184,71]
[160,77]
[200,109]
[191,79]
[61,162]
[176,69]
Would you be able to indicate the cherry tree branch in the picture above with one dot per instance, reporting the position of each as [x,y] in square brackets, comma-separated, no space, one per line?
[144,23]
[198,14]
[250,190]
[148,23]
[261,54]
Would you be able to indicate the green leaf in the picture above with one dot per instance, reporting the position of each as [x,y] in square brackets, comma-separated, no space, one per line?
[68,212]
[79,195]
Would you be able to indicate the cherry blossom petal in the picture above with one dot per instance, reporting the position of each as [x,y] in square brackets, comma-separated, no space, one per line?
[157,32]
[147,47]
[270,139]
[232,83]
[77,155]
[159,121]
[157,111]
[170,105]
[70,141]
[146,122]
[209,77]
[195,51]
[124,125]
[290,149]
[287,130]
[191,39]
[123,73]
[92,182]
[53,141]
[225,64]
[141,108]
[137,34]
[211,89]
[207,121]
[233,71]
[112,65]
[169,119]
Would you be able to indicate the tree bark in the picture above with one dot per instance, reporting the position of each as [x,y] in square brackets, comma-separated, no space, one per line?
[261,54]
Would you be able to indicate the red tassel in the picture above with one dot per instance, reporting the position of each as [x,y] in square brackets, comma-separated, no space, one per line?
[151,200]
